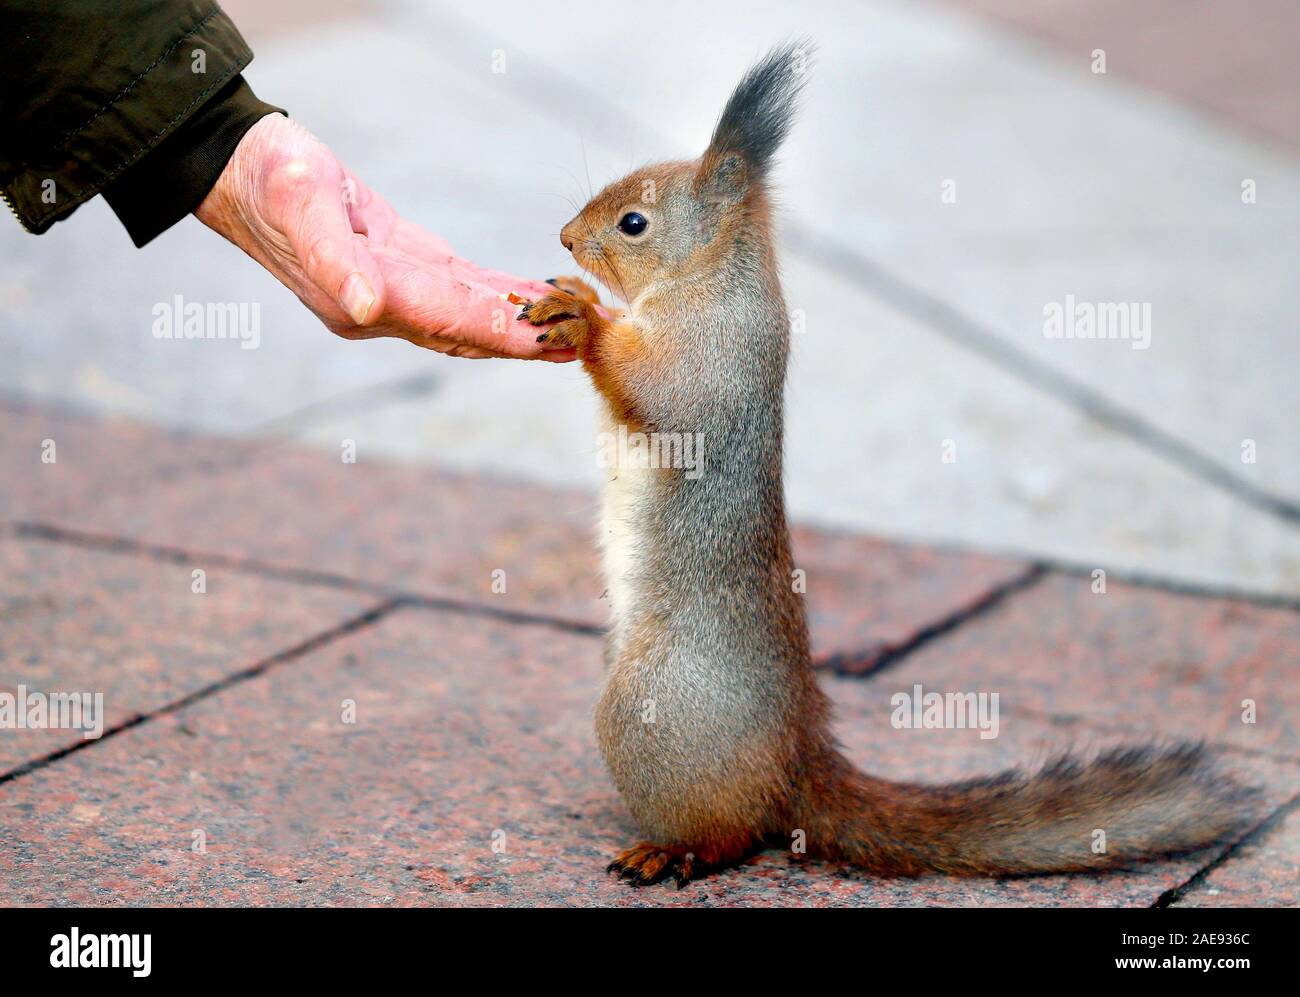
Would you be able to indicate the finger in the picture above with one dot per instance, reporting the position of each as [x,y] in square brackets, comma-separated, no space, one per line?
[499,281]
[368,213]
[450,348]
[418,243]
[331,255]
[566,355]
[435,304]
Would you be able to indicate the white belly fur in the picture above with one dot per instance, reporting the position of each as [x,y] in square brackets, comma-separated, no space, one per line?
[626,487]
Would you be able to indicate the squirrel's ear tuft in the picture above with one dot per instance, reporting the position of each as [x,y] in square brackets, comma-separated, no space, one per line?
[759,114]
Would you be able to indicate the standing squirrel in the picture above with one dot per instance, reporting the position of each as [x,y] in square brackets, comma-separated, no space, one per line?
[711,720]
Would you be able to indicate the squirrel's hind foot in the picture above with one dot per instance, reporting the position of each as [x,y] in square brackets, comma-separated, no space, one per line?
[646,864]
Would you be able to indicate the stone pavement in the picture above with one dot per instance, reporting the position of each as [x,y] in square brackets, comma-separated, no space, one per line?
[228,773]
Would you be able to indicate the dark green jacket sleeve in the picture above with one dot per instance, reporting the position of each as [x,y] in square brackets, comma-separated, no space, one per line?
[138,99]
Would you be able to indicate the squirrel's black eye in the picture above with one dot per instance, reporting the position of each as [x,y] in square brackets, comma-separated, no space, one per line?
[632,223]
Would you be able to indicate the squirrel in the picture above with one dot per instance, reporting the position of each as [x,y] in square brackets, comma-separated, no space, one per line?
[711,720]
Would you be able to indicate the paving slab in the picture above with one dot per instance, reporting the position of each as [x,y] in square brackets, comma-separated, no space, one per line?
[978,459]
[1265,872]
[1236,60]
[1159,663]
[468,777]
[53,462]
[501,544]
[868,598]
[136,632]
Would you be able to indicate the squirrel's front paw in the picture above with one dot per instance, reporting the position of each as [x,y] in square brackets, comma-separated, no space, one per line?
[571,330]
[556,305]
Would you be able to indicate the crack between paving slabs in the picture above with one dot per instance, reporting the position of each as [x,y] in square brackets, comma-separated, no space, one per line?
[314,643]
[303,576]
[842,663]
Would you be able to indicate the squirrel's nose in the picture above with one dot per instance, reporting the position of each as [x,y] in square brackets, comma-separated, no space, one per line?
[566,242]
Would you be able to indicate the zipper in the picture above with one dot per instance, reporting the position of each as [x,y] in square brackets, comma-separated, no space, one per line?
[4,194]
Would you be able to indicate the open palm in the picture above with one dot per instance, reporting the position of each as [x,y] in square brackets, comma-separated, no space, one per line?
[288,202]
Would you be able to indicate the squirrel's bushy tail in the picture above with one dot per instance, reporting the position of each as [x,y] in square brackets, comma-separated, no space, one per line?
[1126,806]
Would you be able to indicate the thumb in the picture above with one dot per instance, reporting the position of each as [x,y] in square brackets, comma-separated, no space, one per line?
[332,255]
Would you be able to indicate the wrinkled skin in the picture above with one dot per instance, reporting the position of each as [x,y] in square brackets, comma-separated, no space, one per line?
[286,201]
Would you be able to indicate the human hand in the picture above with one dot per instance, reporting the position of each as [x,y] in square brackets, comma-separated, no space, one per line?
[286,201]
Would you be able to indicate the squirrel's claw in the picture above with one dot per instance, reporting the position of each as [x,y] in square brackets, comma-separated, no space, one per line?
[555,306]
[647,864]
[577,287]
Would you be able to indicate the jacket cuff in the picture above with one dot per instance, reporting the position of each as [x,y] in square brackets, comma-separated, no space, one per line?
[136,118]
[176,175]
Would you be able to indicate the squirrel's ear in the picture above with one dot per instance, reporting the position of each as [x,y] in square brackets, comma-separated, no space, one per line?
[756,120]
[723,177]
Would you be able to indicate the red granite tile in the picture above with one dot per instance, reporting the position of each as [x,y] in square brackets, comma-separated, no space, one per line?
[467,732]
[415,529]
[1262,873]
[91,458]
[869,597]
[1234,59]
[78,621]
[501,544]
[1156,662]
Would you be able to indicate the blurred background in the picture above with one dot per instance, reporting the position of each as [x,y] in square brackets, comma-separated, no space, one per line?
[959,167]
